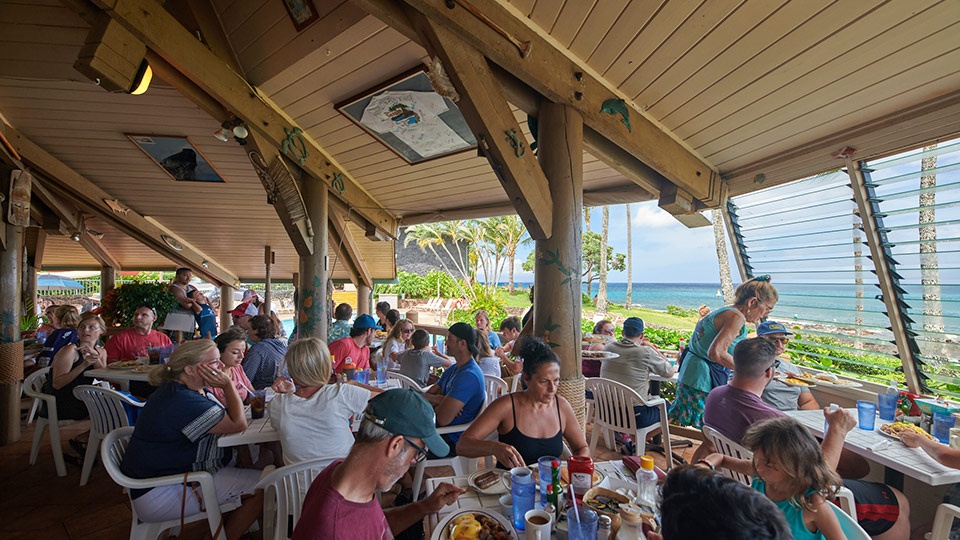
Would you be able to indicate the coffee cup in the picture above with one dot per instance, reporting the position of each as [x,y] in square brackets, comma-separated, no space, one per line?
[538,524]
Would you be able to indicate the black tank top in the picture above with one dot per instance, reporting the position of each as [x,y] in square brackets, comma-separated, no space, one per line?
[532,449]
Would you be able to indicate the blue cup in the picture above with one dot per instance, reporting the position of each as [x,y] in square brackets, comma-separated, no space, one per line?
[887,404]
[581,523]
[543,465]
[382,373]
[362,376]
[942,422]
[867,414]
[524,492]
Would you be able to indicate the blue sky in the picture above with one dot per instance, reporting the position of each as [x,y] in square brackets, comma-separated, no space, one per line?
[664,250]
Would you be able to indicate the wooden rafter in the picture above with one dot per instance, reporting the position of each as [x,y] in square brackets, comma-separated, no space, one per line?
[347,246]
[499,136]
[167,38]
[70,184]
[559,78]
[70,215]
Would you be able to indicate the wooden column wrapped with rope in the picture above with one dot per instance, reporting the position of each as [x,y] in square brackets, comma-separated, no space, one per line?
[557,295]
[11,348]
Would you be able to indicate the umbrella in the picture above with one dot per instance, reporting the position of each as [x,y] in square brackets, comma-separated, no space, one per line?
[51,282]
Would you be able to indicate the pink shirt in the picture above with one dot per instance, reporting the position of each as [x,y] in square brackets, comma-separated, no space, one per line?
[346,347]
[128,344]
[240,381]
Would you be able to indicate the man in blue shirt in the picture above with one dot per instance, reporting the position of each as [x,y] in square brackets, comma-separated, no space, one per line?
[458,396]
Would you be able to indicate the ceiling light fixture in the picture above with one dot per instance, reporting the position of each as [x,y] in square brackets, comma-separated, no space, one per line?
[75,237]
[172,242]
[240,132]
[205,264]
[223,134]
[236,128]
[96,234]
[141,81]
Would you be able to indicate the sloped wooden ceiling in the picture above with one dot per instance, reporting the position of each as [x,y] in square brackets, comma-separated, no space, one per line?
[83,126]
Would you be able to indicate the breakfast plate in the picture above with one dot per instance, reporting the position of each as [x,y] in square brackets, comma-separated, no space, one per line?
[484,524]
[487,481]
[793,381]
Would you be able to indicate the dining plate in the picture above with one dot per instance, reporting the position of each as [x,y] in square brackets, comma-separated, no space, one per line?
[598,355]
[840,383]
[496,488]
[793,381]
[126,364]
[443,529]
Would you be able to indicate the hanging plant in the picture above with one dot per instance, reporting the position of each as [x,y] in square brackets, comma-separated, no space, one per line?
[120,304]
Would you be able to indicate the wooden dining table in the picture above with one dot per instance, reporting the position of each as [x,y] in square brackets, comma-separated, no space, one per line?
[897,459]
[120,376]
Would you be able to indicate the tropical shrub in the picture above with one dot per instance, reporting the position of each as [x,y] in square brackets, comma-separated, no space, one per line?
[121,303]
[678,311]
[830,354]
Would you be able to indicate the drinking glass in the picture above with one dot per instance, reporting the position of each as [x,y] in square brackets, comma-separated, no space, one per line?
[258,402]
[584,528]
[381,373]
[867,413]
[524,490]
[543,468]
[887,404]
[942,422]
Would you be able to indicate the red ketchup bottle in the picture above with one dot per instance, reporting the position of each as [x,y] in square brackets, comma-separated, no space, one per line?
[581,474]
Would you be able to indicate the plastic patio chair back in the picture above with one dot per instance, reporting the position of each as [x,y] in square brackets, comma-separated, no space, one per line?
[943,521]
[33,387]
[613,410]
[111,453]
[495,387]
[107,413]
[851,529]
[405,382]
[729,448]
[284,491]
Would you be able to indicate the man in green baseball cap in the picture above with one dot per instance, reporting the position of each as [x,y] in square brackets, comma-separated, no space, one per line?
[397,430]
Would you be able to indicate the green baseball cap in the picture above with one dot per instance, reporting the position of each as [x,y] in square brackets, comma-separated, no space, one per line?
[404,411]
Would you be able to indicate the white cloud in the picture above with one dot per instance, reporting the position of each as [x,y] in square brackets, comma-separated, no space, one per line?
[650,215]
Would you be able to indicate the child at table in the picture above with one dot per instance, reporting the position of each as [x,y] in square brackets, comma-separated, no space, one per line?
[945,455]
[788,467]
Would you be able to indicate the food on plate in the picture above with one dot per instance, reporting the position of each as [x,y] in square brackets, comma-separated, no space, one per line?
[896,428]
[846,382]
[477,527]
[124,364]
[604,504]
[380,334]
[595,338]
[596,354]
[796,382]
[829,377]
[486,479]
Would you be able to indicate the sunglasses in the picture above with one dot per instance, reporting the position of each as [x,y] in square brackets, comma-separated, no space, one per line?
[421,452]
[406,331]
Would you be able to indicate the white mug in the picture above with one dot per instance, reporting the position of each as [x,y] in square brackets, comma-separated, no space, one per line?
[539,524]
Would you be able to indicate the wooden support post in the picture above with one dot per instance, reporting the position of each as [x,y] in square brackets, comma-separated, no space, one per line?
[312,316]
[267,293]
[556,303]
[34,241]
[363,300]
[108,280]
[11,347]
[226,306]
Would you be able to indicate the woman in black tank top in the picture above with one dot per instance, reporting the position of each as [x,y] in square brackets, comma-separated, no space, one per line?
[529,424]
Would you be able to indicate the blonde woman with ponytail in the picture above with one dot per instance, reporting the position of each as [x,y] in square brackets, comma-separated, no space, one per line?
[709,357]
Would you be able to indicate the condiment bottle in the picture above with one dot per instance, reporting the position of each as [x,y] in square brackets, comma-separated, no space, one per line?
[555,482]
[631,523]
[604,524]
[646,485]
[349,368]
[581,474]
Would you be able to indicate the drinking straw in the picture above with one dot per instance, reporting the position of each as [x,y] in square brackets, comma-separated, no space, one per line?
[576,513]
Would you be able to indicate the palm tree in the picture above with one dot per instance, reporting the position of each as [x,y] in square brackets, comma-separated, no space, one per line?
[586,217]
[602,286]
[929,264]
[720,239]
[629,260]
[509,233]
[431,235]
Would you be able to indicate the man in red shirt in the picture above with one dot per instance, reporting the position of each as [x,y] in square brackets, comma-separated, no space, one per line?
[398,428]
[132,343]
[356,347]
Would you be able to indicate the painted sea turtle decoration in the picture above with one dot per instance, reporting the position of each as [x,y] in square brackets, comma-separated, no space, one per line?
[616,106]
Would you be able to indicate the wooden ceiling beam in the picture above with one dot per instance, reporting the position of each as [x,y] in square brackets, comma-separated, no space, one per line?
[561,79]
[167,38]
[499,137]
[72,216]
[346,245]
[74,186]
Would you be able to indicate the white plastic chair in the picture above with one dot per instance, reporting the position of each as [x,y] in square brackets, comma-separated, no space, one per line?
[613,404]
[942,522]
[405,382]
[460,464]
[851,529]
[106,414]
[496,387]
[111,453]
[33,387]
[728,447]
[284,490]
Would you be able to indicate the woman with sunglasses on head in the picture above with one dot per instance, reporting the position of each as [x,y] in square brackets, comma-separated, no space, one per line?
[709,357]
[398,340]
[778,394]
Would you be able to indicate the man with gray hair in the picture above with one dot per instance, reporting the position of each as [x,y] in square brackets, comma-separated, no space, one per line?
[397,430]
[638,359]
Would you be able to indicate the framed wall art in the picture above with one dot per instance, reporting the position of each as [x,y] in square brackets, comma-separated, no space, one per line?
[410,118]
[302,12]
